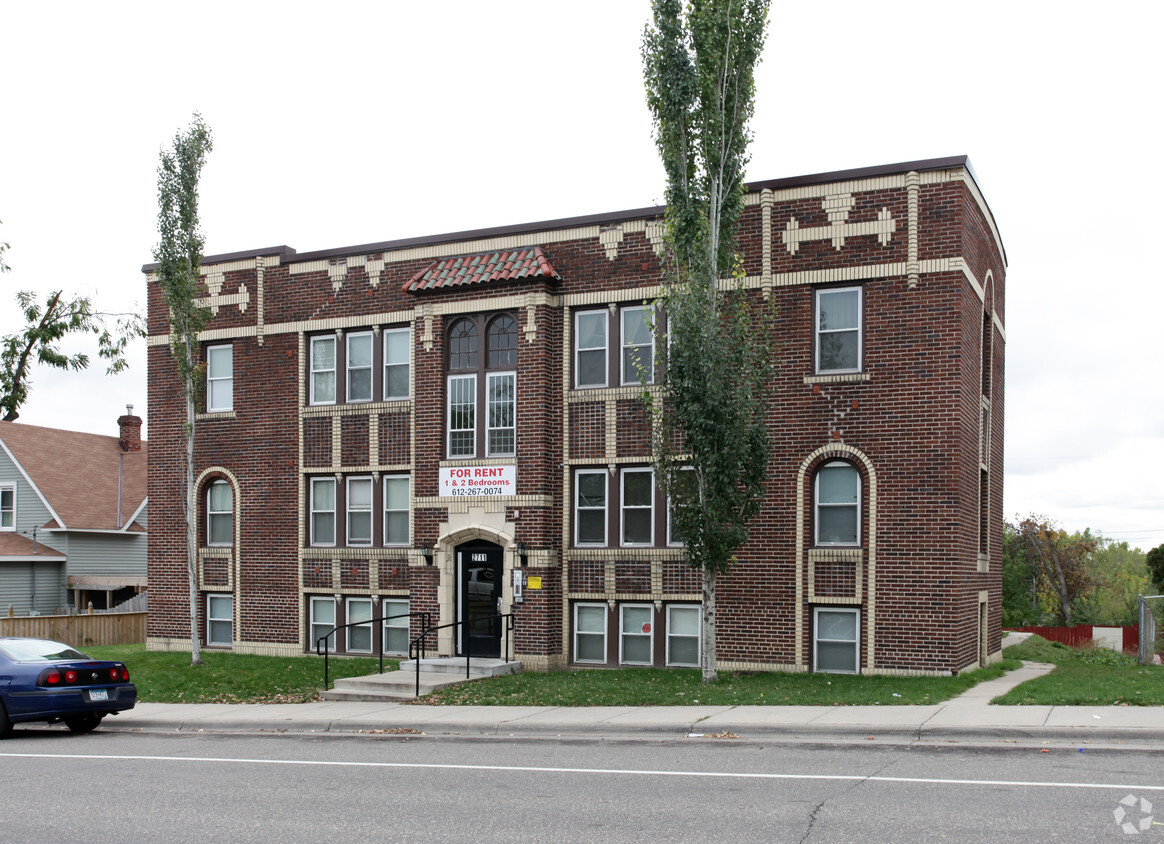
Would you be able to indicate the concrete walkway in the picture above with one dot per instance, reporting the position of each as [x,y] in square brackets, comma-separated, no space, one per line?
[967,718]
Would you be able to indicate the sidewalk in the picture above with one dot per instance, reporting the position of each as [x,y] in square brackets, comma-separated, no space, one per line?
[968,717]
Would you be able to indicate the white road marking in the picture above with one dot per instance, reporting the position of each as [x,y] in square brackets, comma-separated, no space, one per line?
[608,771]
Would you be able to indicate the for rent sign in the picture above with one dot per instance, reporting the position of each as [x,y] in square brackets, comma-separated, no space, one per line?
[473,481]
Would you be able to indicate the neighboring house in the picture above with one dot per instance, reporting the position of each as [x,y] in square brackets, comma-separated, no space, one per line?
[72,517]
[452,423]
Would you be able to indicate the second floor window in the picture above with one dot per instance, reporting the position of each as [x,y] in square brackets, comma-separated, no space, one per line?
[219,514]
[322,505]
[838,330]
[359,384]
[7,508]
[482,386]
[322,370]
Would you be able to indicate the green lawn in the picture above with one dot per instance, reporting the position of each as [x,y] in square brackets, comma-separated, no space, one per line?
[681,687]
[1085,677]
[165,677]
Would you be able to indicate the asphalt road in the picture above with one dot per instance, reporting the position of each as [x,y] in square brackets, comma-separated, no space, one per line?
[194,787]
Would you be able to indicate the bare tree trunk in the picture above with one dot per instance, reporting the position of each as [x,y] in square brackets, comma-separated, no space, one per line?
[708,661]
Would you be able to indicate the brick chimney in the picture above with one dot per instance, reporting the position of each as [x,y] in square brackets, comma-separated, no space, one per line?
[130,430]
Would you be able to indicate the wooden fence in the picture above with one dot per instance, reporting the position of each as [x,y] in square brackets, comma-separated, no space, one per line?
[1080,635]
[80,631]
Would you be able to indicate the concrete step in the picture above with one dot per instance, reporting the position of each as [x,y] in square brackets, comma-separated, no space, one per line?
[435,673]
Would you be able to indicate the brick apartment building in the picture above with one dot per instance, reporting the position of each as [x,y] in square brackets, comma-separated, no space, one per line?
[447,424]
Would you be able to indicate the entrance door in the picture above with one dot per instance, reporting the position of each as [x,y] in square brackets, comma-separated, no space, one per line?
[479,568]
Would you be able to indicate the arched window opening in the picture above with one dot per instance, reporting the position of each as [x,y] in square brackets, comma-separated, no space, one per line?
[220,514]
[838,504]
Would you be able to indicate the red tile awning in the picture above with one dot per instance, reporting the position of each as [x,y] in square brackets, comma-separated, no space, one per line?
[508,265]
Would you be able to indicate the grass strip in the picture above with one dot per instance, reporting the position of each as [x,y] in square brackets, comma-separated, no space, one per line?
[1084,677]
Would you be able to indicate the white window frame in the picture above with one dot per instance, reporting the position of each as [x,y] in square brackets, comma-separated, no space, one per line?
[698,610]
[471,379]
[579,349]
[364,627]
[629,378]
[623,633]
[217,384]
[605,632]
[211,514]
[390,607]
[406,363]
[490,377]
[352,510]
[350,368]
[859,328]
[324,338]
[312,511]
[817,505]
[315,623]
[407,510]
[214,617]
[10,511]
[623,507]
[605,508]
[817,640]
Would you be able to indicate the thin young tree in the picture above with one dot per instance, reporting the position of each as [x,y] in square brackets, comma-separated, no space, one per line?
[179,256]
[710,411]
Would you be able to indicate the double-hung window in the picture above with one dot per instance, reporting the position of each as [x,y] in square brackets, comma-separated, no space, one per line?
[590,356]
[838,504]
[397,363]
[323,370]
[836,640]
[359,502]
[323,511]
[638,345]
[359,366]
[396,500]
[322,622]
[220,620]
[219,379]
[482,386]
[590,507]
[219,514]
[590,632]
[7,508]
[360,636]
[396,626]
[683,634]
[838,330]
[638,507]
[636,640]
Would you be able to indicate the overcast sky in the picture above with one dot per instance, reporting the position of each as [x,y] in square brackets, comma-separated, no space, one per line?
[347,123]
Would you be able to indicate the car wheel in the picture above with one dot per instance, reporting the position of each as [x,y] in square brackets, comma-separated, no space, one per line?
[5,724]
[83,723]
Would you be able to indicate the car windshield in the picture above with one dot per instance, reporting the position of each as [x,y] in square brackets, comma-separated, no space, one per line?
[31,650]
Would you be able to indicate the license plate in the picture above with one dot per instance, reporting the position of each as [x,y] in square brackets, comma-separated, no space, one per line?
[99,694]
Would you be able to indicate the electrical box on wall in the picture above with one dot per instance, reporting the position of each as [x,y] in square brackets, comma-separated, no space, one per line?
[518,581]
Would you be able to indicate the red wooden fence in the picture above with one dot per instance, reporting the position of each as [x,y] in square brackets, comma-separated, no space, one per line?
[1080,635]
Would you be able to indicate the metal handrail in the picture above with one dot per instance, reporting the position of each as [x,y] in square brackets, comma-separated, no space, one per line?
[416,648]
[321,648]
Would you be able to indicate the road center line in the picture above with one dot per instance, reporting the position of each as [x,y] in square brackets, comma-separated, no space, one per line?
[608,771]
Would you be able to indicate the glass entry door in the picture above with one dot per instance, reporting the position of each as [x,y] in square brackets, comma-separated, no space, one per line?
[479,567]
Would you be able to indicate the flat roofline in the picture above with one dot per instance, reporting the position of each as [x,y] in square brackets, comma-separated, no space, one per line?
[287,254]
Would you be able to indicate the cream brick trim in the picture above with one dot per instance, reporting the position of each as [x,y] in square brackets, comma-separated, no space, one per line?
[844,378]
[608,297]
[742,665]
[913,189]
[607,394]
[206,417]
[766,202]
[624,554]
[803,567]
[233,553]
[260,270]
[463,505]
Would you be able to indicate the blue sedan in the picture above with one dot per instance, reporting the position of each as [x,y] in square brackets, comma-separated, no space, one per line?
[46,681]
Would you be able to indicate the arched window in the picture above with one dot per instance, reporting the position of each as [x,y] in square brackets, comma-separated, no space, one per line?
[502,343]
[482,387]
[463,344]
[838,504]
[219,514]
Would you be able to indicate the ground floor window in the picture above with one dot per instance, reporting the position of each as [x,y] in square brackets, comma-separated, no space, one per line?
[360,637]
[590,633]
[636,639]
[220,620]
[683,635]
[396,629]
[322,622]
[836,640]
